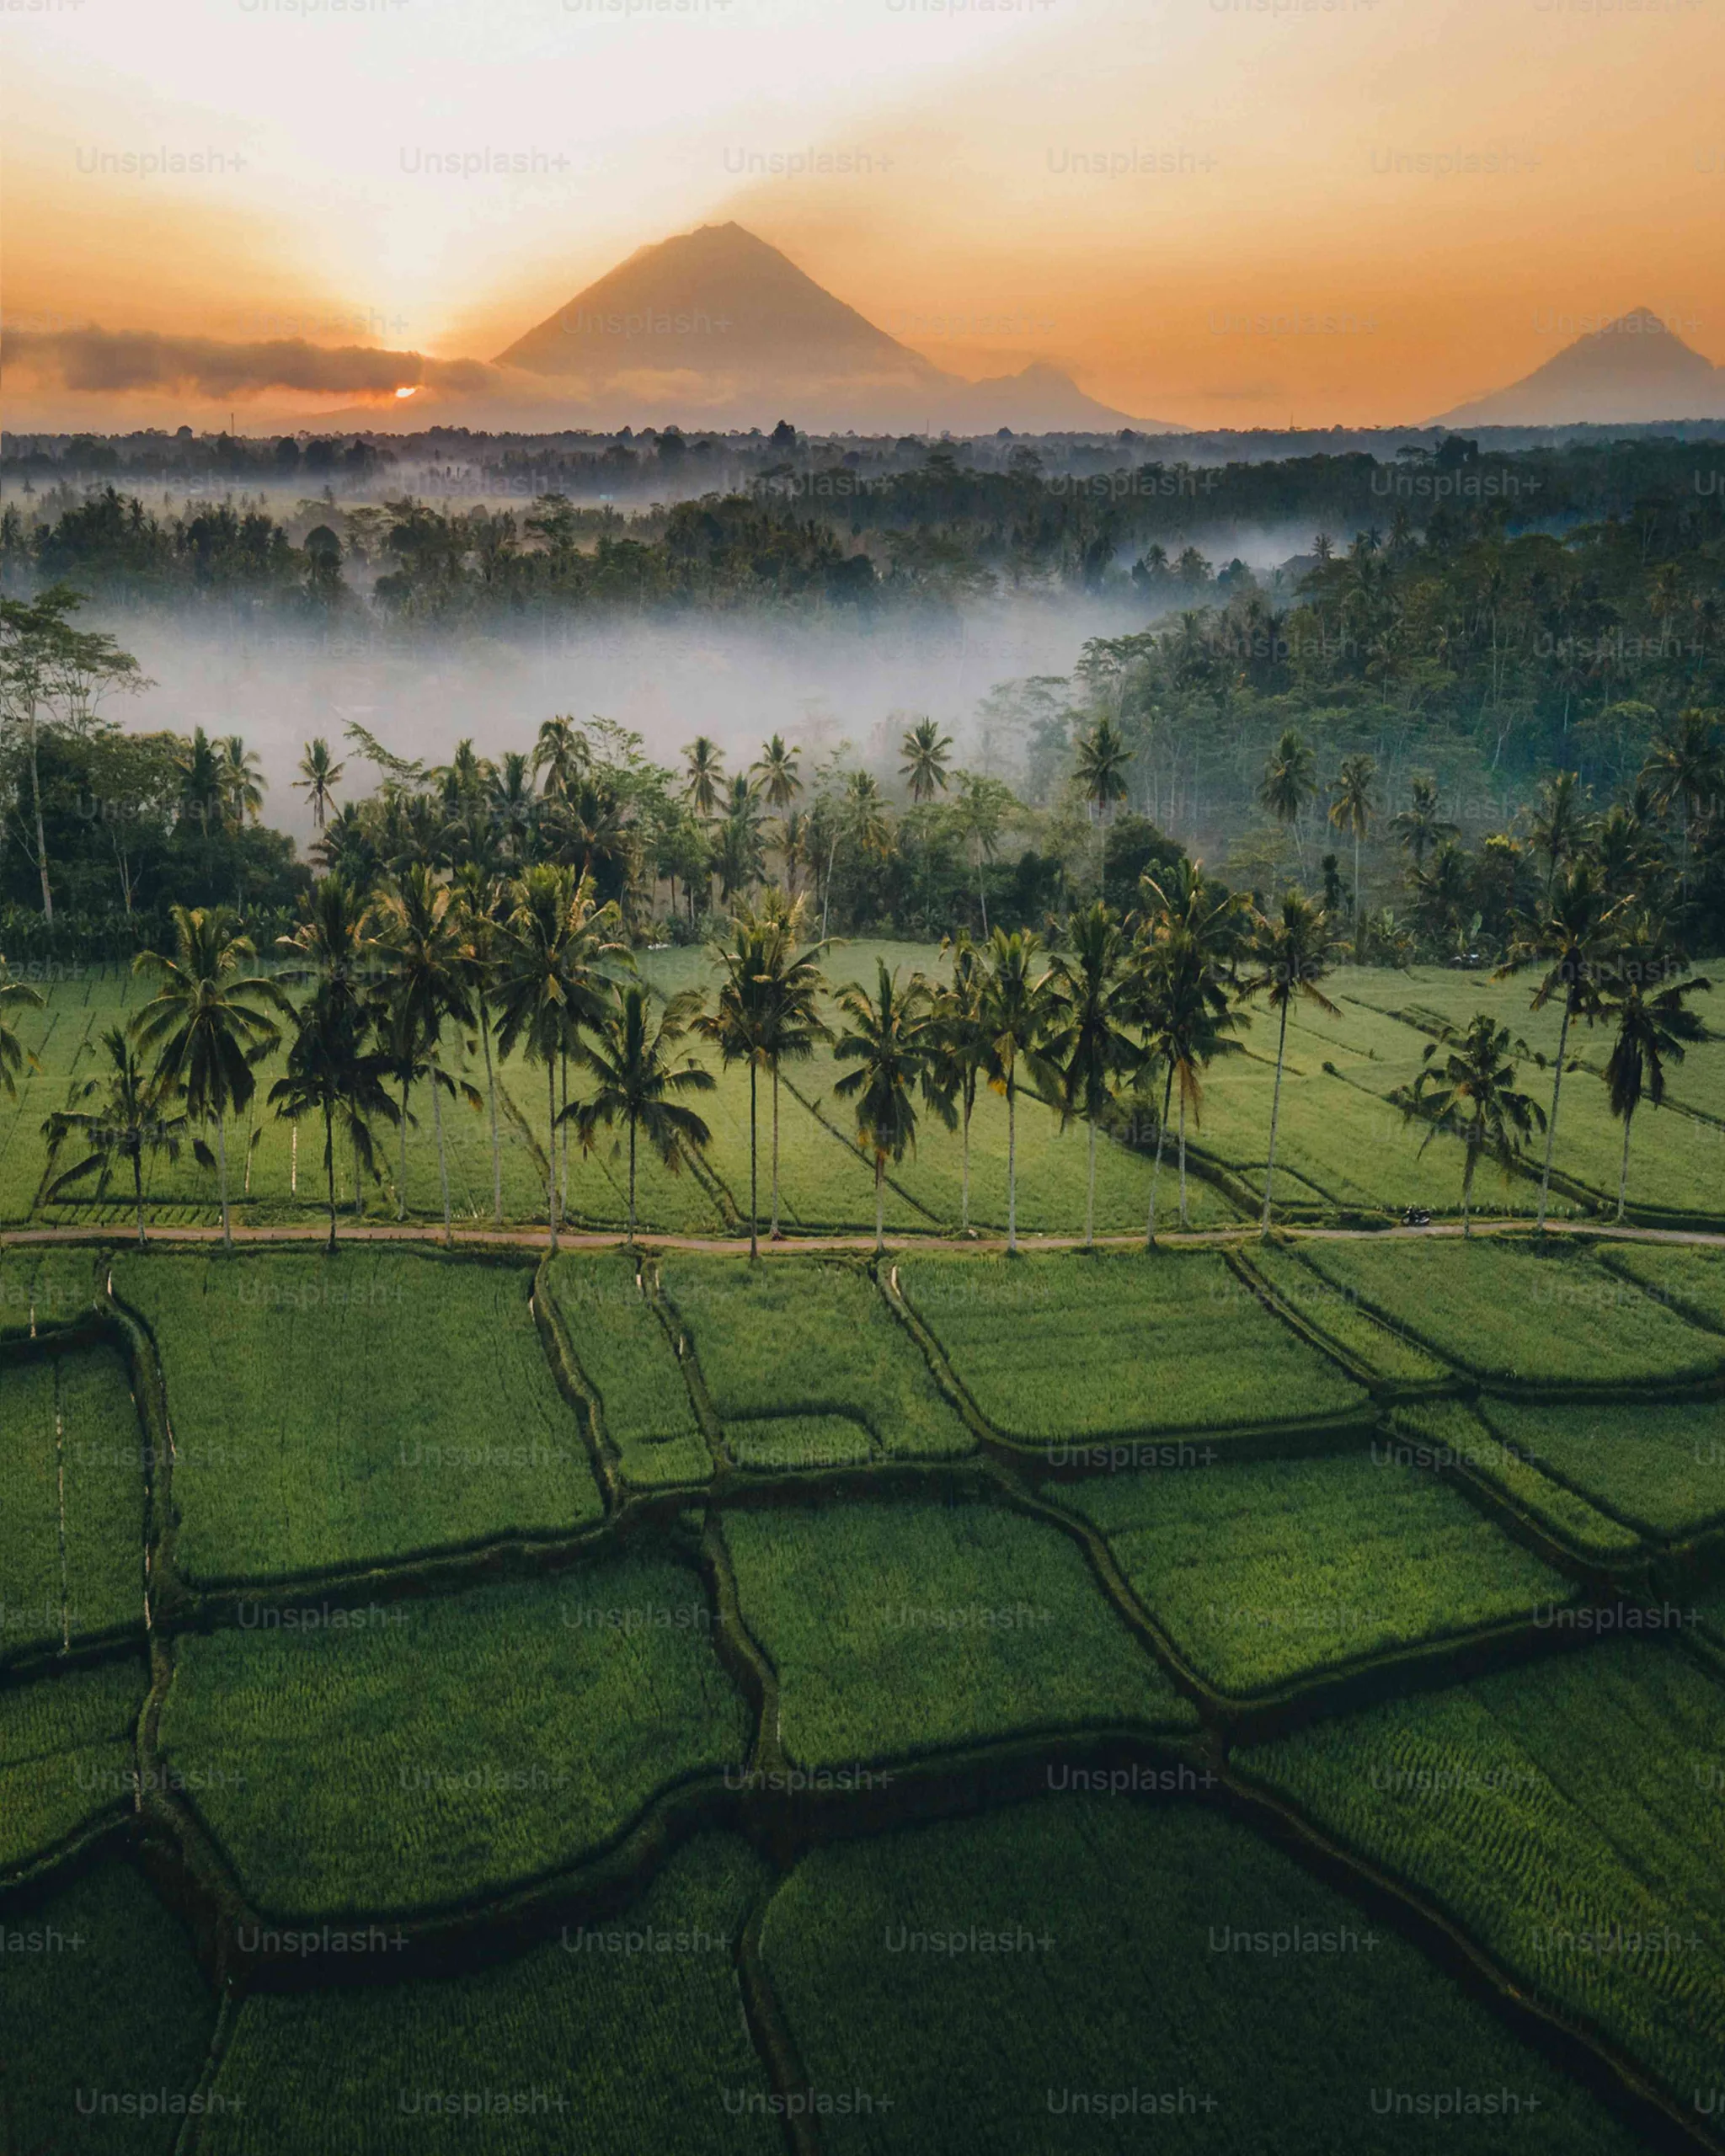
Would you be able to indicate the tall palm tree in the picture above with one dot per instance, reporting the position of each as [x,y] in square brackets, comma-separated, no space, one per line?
[982,805]
[139,1113]
[334,1069]
[243,781]
[1472,1096]
[202,787]
[1643,994]
[1289,955]
[479,901]
[319,775]
[792,984]
[557,951]
[560,757]
[1685,771]
[704,762]
[209,1023]
[1289,782]
[961,1047]
[739,1024]
[1105,757]
[637,1074]
[513,807]
[1560,822]
[423,935]
[1019,1004]
[332,953]
[890,1037]
[776,767]
[14,996]
[739,856]
[926,750]
[1351,812]
[1418,828]
[1571,937]
[1088,1043]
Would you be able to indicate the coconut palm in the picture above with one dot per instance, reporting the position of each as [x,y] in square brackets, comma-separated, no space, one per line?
[1642,993]
[1571,937]
[202,787]
[332,952]
[1685,771]
[1289,782]
[1560,822]
[960,1046]
[890,1037]
[704,762]
[1190,939]
[319,775]
[1088,1045]
[560,757]
[557,952]
[336,1070]
[1351,812]
[926,750]
[741,1024]
[1418,828]
[14,996]
[1289,955]
[422,937]
[243,781]
[776,767]
[208,1024]
[1019,1005]
[1472,1096]
[479,898]
[983,804]
[637,1074]
[139,1111]
[1105,757]
[739,853]
[792,984]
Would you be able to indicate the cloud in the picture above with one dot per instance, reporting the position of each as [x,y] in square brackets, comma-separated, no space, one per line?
[105,360]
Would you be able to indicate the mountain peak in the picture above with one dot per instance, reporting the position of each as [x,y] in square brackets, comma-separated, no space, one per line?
[1625,368]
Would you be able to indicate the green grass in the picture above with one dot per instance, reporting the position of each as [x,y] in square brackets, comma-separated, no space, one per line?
[337,1412]
[66,1755]
[42,1285]
[628,2040]
[446,1749]
[1379,1348]
[806,1338]
[1659,1466]
[1110,1999]
[805,1441]
[107,2021]
[1691,1280]
[1507,1310]
[1265,1572]
[627,1363]
[898,1628]
[1563,1815]
[1444,1433]
[1058,1349]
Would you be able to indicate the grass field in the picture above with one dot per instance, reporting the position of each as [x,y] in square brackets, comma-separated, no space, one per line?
[1265,1572]
[614,2038]
[1660,1467]
[66,1755]
[1508,1310]
[1564,1815]
[1691,1280]
[810,1338]
[107,2021]
[1056,1349]
[1447,1433]
[336,1411]
[1120,2005]
[1382,1349]
[898,1628]
[46,1287]
[627,1363]
[431,1751]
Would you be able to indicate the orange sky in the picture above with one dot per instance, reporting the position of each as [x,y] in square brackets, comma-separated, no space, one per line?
[1185,205]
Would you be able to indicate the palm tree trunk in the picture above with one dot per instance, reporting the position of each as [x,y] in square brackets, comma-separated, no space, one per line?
[1551,1127]
[879,1204]
[631,1182]
[774,1233]
[491,1095]
[1090,1192]
[754,1201]
[563,1172]
[1623,1172]
[1356,895]
[1185,1222]
[41,834]
[1467,1191]
[1275,1117]
[1012,1165]
[330,1163]
[138,1185]
[293,1158]
[551,1154]
[222,1171]
[981,894]
[964,1179]
[401,1196]
[442,1163]
[1161,1132]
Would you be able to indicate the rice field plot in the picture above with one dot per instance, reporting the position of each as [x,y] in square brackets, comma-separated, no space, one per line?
[66,1755]
[1507,1311]
[613,2039]
[333,1412]
[1088,1974]
[1691,1280]
[44,1285]
[1336,1313]
[107,2021]
[1056,1350]
[72,1501]
[900,1629]
[1446,1435]
[799,1338]
[423,1753]
[1659,1466]
[628,1364]
[1567,1816]
[1267,1571]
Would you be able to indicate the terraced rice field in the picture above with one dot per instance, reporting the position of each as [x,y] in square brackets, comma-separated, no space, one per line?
[66,1755]
[627,1364]
[1447,1434]
[1265,1572]
[335,1411]
[1691,1280]
[1336,1313]
[1056,1350]
[1564,1817]
[425,1752]
[1660,1468]
[898,1628]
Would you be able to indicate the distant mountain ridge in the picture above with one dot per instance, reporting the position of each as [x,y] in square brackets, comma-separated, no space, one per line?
[1631,369]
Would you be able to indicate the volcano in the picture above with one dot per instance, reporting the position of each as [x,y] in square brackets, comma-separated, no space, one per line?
[1632,369]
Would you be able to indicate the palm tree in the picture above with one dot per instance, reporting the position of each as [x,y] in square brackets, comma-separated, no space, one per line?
[1105,757]
[1559,822]
[560,756]
[926,750]
[14,996]
[1418,828]
[890,1038]
[557,950]
[637,1075]
[1290,954]
[1019,1004]
[423,933]
[208,1023]
[1088,1043]
[1289,782]
[1686,771]
[513,807]
[242,781]
[332,1071]
[1351,812]
[704,762]
[138,1114]
[1191,933]
[739,1024]
[319,774]
[333,954]
[739,856]
[983,803]
[478,896]
[1642,993]
[202,783]
[1572,939]
[792,984]
[1472,1096]
[776,767]
[960,1046]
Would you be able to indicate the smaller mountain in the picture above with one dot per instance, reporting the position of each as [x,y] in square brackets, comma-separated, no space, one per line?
[1631,370]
